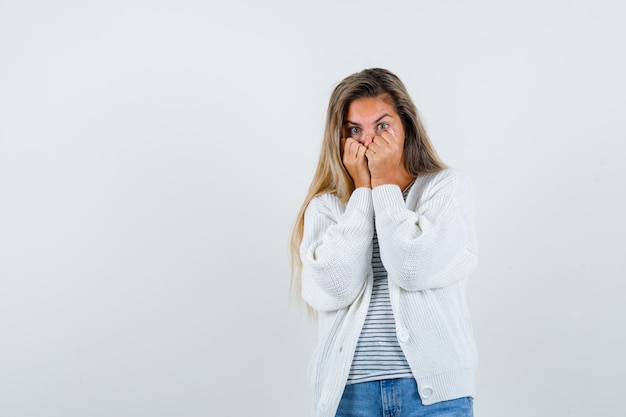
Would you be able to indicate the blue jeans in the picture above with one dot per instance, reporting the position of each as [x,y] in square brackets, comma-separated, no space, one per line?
[396,398]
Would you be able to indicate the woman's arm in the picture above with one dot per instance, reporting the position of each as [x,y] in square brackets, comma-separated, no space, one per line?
[433,245]
[336,249]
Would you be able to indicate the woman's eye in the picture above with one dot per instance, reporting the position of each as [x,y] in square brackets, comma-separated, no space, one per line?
[383,126]
[355,130]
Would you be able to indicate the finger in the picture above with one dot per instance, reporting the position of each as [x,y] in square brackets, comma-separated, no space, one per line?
[348,146]
[390,137]
[353,152]
[377,144]
[356,144]
[352,146]
[386,138]
[361,151]
[349,142]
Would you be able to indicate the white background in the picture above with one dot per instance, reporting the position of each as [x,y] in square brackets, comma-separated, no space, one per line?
[153,155]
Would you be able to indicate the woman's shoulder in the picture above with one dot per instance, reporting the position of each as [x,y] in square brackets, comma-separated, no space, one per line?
[447,178]
[327,202]
[325,198]
[445,181]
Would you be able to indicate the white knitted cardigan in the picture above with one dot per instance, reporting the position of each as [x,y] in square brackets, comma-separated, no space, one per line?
[428,246]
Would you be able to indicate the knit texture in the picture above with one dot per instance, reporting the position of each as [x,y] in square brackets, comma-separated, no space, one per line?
[428,246]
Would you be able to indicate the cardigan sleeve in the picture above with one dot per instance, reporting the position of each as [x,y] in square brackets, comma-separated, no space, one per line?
[433,244]
[336,249]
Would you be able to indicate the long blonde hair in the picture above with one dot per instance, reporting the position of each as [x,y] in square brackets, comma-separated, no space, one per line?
[331,175]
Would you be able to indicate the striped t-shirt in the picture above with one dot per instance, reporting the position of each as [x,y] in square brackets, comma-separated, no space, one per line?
[378,354]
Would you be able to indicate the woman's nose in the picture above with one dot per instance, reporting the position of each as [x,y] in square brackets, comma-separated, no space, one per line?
[367,138]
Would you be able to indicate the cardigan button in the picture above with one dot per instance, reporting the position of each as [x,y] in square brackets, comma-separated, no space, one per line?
[403,334]
[426,392]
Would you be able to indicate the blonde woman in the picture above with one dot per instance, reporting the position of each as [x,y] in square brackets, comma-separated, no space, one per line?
[381,252]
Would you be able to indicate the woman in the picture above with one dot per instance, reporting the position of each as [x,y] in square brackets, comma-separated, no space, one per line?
[381,252]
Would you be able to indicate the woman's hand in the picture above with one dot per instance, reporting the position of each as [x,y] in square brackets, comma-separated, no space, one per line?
[384,158]
[355,162]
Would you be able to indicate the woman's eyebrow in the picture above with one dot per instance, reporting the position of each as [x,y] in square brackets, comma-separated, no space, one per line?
[349,122]
[382,117]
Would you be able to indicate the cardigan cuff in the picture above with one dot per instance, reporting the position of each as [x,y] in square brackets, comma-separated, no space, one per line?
[361,201]
[388,197]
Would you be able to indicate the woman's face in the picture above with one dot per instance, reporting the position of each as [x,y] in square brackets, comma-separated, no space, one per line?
[369,117]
